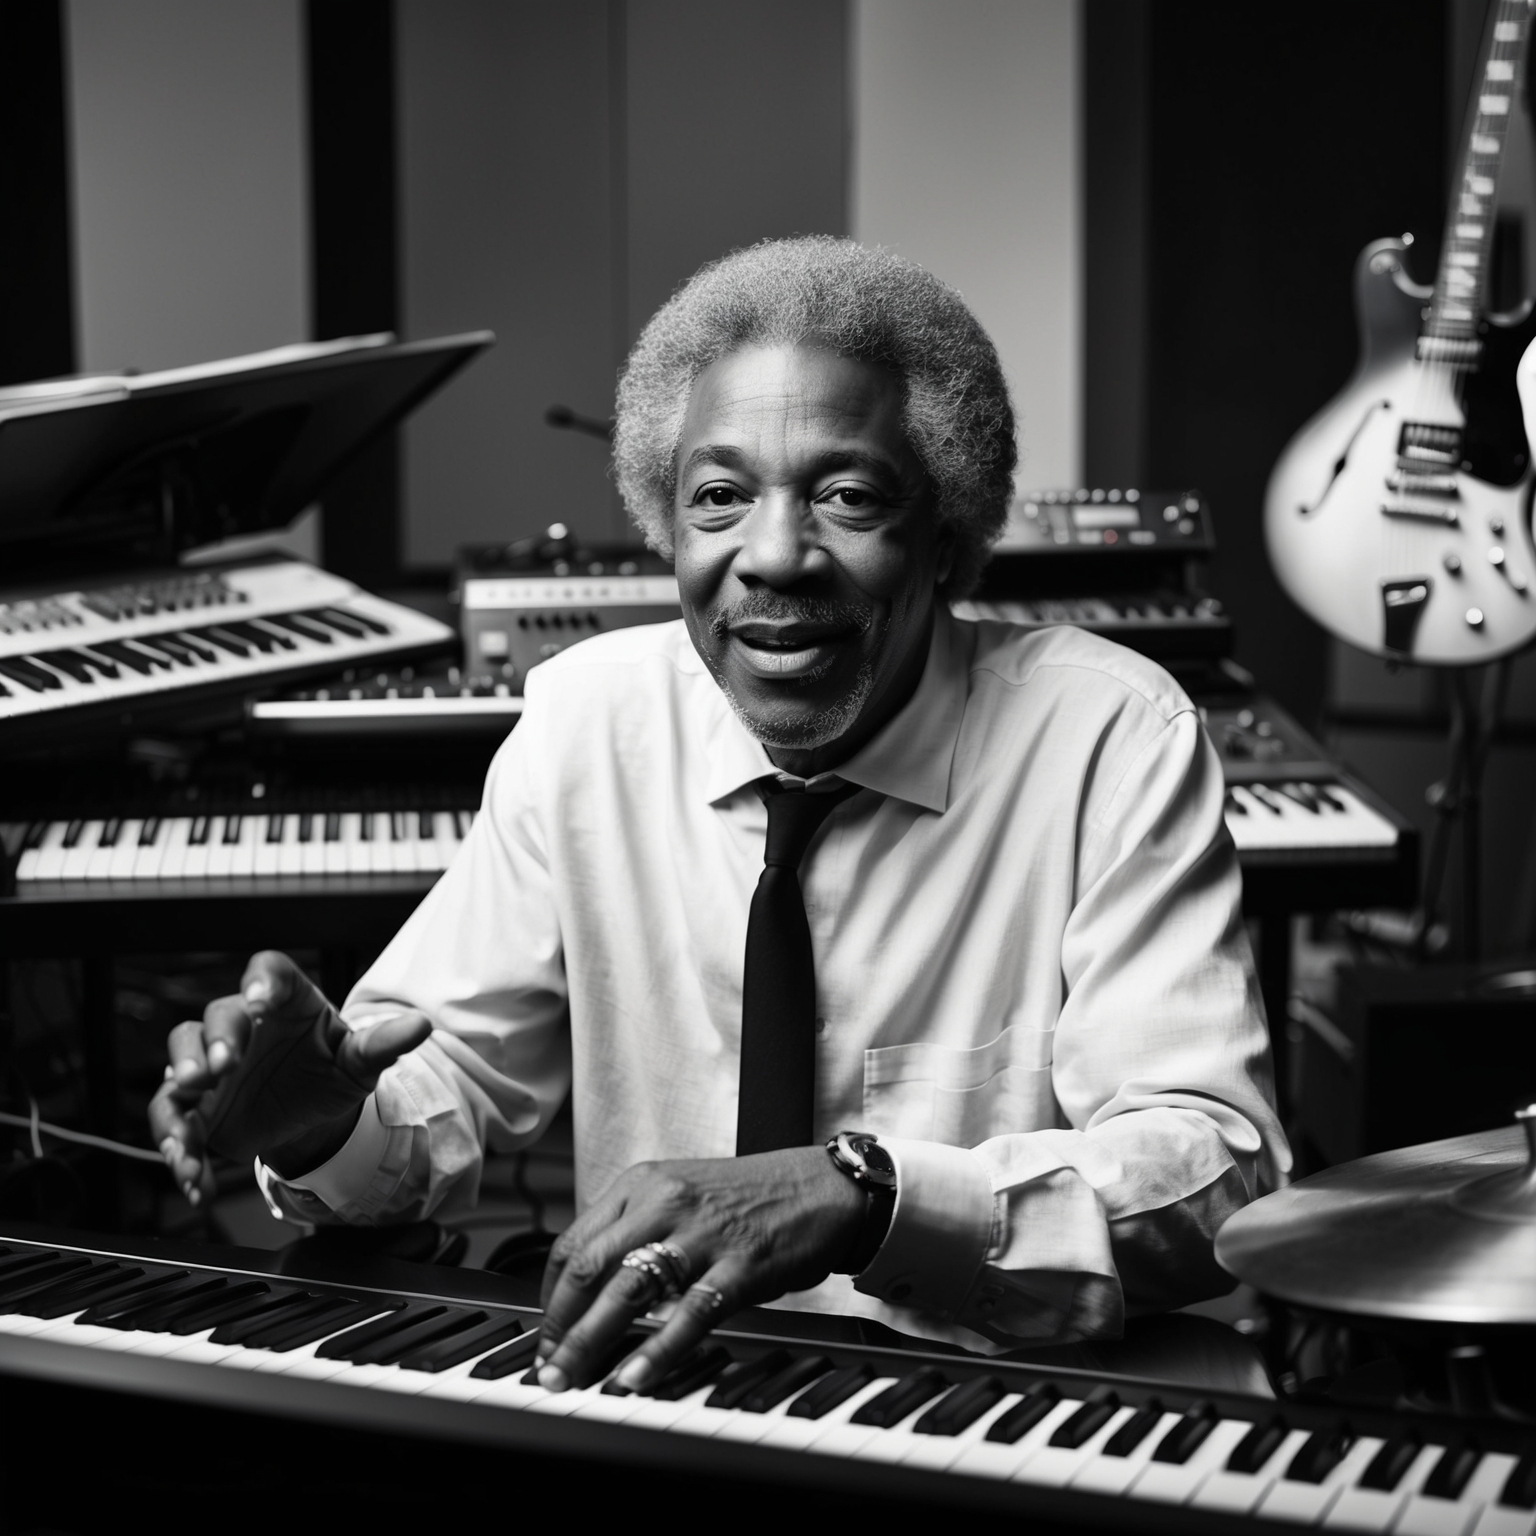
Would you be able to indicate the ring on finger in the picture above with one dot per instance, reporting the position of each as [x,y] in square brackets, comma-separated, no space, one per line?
[709,1295]
[644,1262]
[675,1262]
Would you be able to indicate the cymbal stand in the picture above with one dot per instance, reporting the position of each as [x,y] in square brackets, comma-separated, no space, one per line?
[1475,713]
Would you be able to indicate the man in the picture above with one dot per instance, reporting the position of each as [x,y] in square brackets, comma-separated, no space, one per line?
[1031,982]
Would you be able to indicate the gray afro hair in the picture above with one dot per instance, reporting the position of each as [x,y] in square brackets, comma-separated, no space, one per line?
[854,301]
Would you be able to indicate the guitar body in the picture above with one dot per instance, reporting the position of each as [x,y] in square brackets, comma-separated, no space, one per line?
[1399,516]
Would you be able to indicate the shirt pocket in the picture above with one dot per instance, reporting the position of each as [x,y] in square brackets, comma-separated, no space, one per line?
[930,1092]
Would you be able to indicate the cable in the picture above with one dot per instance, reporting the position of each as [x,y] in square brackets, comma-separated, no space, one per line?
[33,1124]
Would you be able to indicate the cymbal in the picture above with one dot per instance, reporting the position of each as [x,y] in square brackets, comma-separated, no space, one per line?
[1444,1232]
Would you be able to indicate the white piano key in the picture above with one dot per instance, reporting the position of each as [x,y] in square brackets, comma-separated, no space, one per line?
[253,829]
[938,1452]
[989,1458]
[100,860]
[1373,1509]
[1308,1503]
[1173,1483]
[379,850]
[749,1428]
[1426,1516]
[198,857]
[312,850]
[148,853]
[290,852]
[49,864]
[335,847]
[654,1413]
[1114,1474]
[125,853]
[1239,1492]
[445,838]
[221,852]
[265,854]
[1275,820]
[177,845]
[1500,1520]
[1055,1466]
[76,859]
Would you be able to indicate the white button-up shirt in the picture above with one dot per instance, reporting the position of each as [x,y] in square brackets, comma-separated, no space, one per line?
[1032,979]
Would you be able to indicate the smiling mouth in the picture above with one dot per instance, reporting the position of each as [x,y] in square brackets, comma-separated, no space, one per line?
[800,651]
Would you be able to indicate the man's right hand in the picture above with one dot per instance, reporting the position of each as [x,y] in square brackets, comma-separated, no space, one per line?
[272,1073]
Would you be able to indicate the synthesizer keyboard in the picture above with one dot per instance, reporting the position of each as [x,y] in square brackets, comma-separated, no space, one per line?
[119,646]
[435,1354]
[365,702]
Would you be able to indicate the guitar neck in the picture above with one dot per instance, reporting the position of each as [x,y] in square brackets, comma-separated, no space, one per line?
[1462,282]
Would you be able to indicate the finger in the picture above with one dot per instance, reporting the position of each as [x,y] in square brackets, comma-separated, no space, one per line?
[188,1057]
[705,1303]
[585,1348]
[226,1034]
[272,982]
[600,1217]
[179,1139]
[365,1053]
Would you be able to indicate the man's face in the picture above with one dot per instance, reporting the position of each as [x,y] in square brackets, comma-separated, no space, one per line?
[807,550]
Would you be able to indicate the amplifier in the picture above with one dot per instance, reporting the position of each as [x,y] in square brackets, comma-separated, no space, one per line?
[521,603]
[1397,1056]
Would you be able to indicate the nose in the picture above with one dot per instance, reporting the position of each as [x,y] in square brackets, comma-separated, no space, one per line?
[779,544]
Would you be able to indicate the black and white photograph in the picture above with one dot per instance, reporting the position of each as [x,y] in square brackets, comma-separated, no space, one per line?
[768,765]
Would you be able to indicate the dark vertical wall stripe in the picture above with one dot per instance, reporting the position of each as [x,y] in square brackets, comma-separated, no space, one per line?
[355,249]
[37,325]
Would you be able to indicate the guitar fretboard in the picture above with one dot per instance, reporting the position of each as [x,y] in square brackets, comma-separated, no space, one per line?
[1450,332]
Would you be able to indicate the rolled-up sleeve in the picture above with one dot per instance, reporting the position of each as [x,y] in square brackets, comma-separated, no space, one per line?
[1162,1075]
[482,958]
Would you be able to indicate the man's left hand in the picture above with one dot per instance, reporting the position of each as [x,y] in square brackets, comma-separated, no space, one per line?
[748,1229]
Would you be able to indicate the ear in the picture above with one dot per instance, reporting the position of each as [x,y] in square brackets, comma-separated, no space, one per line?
[944,542]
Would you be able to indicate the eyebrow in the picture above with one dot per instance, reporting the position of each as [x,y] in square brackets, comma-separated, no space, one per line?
[728,457]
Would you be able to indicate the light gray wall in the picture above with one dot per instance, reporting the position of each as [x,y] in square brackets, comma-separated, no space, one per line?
[190,200]
[967,159]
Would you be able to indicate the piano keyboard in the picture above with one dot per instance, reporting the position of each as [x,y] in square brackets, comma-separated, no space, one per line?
[213,630]
[1103,614]
[1304,816]
[1032,1440]
[393,703]
[239,845]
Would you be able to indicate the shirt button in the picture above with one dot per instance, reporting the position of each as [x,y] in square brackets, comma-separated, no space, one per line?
[821,1025]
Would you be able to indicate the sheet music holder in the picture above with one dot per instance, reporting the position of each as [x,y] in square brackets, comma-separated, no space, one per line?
[127,469]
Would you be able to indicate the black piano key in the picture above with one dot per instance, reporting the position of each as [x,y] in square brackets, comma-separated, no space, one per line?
[1258,1445]
[795,1377]
[831,1391]
[198,648]
[742,1377]
[110,832]
[1451,1474]
[126,1292]
[1188,1435]
[264,640]
[345,1346]
[26,1259]
[1135,1429]
[26,1281]
[1327,796]
[319,1320]
[330,615]
[179,654]
[901,1398]
[1024,1415]
[300,626]
[694,1372]
[444,1354]
[365,827]
[72,832]
[136,1297]
[5,692]
[275,826]
[100,1278]
[262,1313]
[1519,1490]
[337,621]
[333,827]
[38,679]
[1097,1409]
[141,662]
[389,1350]
[1235,806]
[961,1408]
[306,827]
[397,826]
[1321,1453]
[239,1301]
[1303,795]
[232,829]
[129,1315]
[198,835]
[1388,1465]
[424,826]
[69,663]
[510,1357]
[149,831]
[216,636]
[35,833]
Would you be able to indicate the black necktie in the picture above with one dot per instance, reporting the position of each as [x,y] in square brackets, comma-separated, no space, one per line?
[778,1002]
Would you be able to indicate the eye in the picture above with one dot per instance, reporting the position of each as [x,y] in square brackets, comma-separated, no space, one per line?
[850,498]
[717,494]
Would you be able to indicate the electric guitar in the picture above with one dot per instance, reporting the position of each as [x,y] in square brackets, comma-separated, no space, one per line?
[1399,516]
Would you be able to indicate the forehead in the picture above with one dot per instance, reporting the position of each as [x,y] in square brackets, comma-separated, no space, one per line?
[770,398]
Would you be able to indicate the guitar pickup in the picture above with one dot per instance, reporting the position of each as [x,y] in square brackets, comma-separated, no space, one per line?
[1402,606]
[1448,516]
[1418,482]
[1422,445]
[1450,349]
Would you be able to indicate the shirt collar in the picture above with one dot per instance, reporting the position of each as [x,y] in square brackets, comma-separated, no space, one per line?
[910,758]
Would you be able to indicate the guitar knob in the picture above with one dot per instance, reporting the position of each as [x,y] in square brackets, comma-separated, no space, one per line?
[1496,525]
[1496,557]
[1475,617]
[1452,563]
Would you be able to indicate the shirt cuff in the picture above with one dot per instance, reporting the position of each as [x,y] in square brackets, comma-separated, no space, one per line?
[345,1176]
[940,1229]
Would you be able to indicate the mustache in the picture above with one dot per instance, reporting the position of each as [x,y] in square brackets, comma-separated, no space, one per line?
[776,608]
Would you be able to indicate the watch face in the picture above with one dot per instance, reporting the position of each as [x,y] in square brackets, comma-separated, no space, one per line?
[878,1163]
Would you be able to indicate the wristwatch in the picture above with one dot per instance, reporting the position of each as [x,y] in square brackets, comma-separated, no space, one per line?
[859,1155]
